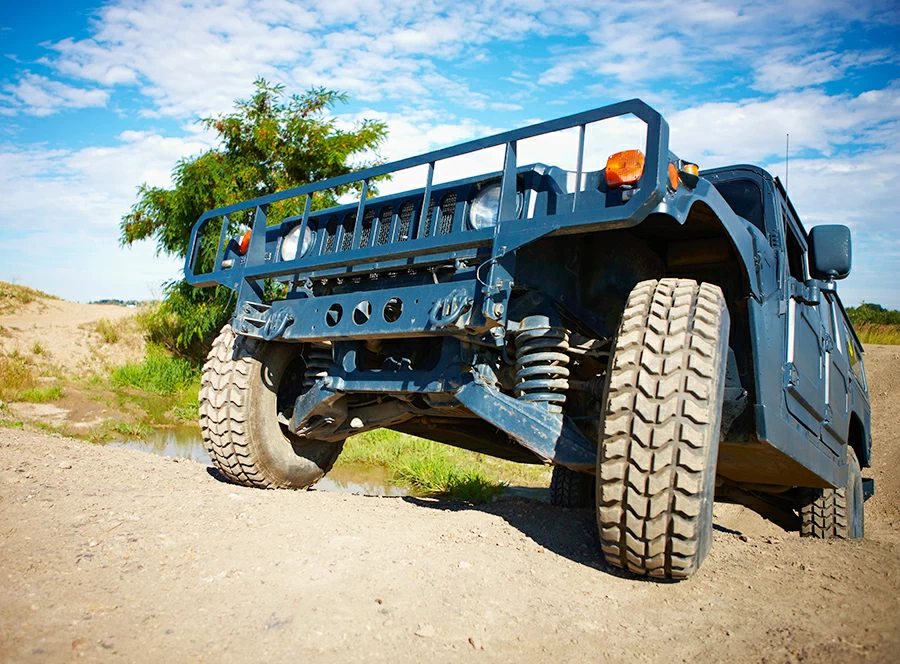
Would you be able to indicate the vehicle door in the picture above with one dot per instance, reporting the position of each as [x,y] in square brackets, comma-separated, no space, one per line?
[836,425]
[804,368]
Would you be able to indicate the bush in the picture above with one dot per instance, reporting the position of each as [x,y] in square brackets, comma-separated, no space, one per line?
[188,320]
[868,313]
[158,373]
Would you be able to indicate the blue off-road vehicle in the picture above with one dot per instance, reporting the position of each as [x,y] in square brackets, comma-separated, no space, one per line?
[664,337]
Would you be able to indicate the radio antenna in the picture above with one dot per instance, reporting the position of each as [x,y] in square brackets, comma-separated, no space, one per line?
[787,157]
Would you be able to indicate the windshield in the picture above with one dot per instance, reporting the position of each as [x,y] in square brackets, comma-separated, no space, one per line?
[745,198]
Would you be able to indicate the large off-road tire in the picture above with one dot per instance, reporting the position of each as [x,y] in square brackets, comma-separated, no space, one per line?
[828,513]
[239,417]
[656,462]
[569,488]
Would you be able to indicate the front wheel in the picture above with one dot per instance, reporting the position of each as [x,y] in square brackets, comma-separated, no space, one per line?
[656,462]
[239,396]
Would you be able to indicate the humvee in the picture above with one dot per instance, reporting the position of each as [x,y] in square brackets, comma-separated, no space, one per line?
[663,336]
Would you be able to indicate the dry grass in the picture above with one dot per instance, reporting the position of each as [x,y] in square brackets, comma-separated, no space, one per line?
[111,331]
[872,333]
[14,295]
[16,376]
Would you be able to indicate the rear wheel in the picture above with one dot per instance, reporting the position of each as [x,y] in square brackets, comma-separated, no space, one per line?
[835,513]
[656,463]
[569,488]
[239,403]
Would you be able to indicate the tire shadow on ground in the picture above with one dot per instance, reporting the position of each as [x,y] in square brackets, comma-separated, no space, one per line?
[567,532]
[570,533]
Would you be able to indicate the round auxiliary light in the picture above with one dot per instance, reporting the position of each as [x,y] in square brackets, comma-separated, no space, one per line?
[298,237]
[485,208]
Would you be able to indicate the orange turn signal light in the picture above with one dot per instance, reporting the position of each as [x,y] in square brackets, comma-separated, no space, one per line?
[624,168]
[245,242]
[691,169]
[673,176]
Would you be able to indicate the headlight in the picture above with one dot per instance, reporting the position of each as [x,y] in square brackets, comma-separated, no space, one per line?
[485,208]
[291,241]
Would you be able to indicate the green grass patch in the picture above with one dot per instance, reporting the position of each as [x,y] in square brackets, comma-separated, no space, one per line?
[437,475]
[158,373]
[426,467]
[187,407]
[11,424]
[111,430]
[130,429]
[41,394]
[46,426]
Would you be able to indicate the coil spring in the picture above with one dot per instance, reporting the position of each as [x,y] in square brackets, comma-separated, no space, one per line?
[319,359]
[542,371]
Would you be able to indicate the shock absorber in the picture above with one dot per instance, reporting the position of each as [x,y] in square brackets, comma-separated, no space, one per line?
[319,359]
[542,362]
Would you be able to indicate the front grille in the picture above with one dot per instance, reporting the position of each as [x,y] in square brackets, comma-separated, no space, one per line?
[384,225]
[448,208]
[428,218]
[330,234]
[366,233]
[349,227]
[407,212]
[377,225]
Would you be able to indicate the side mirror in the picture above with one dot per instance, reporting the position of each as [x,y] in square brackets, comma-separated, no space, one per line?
[829,252]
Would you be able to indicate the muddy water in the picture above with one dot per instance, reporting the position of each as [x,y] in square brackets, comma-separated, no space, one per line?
[186,443]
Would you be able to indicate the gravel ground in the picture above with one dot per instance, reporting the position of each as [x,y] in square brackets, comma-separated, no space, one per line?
[116,555]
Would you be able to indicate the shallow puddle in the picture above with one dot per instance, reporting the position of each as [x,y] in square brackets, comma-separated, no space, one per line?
[185,443]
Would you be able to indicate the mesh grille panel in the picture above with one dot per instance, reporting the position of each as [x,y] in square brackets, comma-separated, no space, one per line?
[349,226]
[330,234]
[365,234]
[406,217]
[428,218]
[448,207]
[384,227]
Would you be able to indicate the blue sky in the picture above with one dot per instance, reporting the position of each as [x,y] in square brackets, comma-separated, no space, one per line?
[96,98]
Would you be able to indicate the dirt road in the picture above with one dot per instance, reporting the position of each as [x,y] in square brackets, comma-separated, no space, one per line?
[115,555]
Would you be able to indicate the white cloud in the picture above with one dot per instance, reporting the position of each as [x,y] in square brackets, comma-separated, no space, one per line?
[651,40]
[786,71]
[60,218]
[190,58]
[41,96]
[194,58]
[753,130]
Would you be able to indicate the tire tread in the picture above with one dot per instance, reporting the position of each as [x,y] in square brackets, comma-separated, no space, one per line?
[663,403]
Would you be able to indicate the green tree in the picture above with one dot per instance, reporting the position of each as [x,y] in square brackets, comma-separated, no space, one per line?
[268,143]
